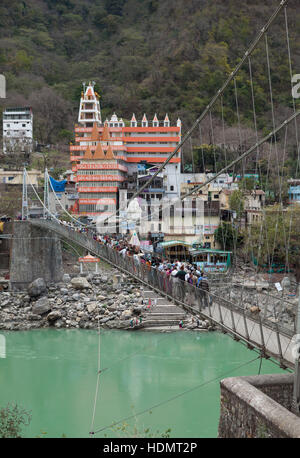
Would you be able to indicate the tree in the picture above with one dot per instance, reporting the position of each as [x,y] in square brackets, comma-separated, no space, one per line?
[247,184]
[52,114]
[12,421]
[276,238]
[236,202]
[227,236]
[11,201]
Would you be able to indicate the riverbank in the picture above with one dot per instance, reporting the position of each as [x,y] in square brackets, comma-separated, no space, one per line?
[108,299]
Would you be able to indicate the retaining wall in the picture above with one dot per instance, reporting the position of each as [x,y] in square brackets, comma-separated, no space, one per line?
[258,406]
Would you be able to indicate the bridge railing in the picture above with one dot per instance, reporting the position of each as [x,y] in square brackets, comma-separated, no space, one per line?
[192,298]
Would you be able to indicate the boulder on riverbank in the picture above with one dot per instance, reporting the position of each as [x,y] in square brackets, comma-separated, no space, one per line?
[37,287]
[80,283]
[41,306]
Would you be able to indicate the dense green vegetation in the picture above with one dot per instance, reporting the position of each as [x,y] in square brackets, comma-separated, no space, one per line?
[145,55]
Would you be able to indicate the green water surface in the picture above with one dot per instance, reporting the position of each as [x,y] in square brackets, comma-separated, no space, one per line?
[53,374]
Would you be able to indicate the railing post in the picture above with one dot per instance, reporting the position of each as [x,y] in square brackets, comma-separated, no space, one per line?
[246,326]
[262,336]
[279,343]
[233,323]
[220,312]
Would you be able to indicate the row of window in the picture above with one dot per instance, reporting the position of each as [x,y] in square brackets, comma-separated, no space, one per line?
[99,183]
[152,144]
[5,116]
[96,208]
[97,195]
[101,172]
[19,132]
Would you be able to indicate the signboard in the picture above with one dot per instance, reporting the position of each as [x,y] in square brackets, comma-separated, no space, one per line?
[278,286]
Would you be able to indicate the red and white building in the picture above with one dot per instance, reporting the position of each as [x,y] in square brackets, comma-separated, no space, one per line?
[108,155]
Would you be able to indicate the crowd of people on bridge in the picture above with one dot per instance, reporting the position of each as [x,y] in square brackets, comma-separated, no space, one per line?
[184,271]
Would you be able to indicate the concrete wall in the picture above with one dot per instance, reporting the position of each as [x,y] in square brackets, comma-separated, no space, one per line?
[5,247]
[258,406]
[35,253]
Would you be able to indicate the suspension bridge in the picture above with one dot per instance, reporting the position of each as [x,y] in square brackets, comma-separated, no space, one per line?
[268,334]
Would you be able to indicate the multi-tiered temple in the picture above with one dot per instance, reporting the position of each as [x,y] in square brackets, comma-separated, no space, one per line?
[109,155]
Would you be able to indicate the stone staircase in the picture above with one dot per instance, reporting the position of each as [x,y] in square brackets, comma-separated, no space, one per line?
[162,315]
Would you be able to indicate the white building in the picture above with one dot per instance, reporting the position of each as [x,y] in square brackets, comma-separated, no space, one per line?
[17,130]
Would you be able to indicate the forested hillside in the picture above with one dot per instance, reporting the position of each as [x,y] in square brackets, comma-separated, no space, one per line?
[145,55]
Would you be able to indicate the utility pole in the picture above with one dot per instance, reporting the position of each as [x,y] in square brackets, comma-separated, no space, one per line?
[24,196]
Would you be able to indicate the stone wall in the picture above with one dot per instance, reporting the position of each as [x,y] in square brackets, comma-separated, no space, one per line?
[258,406]
[35,253]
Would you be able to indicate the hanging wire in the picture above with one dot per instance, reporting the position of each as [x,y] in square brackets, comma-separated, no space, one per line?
[173,398]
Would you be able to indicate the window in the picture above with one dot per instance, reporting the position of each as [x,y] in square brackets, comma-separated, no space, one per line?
[171,188]
[216,196]
[23,125]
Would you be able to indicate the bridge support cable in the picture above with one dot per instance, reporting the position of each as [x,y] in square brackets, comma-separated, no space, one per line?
[245,154]
[24,196]
[46,193]
[63,208]
[213,101]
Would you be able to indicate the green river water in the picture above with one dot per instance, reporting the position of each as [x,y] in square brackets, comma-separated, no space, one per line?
[53,374]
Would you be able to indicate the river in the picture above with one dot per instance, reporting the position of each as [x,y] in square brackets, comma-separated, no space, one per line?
[53,374]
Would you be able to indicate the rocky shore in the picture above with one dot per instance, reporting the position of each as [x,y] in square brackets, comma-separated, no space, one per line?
[113,301]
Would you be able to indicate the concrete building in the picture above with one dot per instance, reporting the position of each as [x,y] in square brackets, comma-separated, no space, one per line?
[15,177]
[17,130]
[294,191]
[254,203]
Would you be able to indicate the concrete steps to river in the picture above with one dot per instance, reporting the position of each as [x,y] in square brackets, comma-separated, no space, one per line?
[162,313]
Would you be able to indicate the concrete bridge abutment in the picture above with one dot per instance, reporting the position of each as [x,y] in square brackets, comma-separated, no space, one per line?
[35,253]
